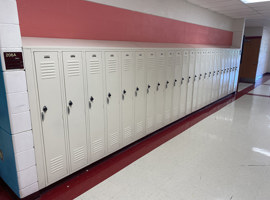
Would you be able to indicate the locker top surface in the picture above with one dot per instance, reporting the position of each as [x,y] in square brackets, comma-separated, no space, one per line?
[34,42]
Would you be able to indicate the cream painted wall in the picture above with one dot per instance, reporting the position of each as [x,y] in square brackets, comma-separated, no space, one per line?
[264,57]
[253,31]
[175,9]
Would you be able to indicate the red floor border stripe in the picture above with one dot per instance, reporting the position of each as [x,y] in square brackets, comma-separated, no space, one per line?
[80,182]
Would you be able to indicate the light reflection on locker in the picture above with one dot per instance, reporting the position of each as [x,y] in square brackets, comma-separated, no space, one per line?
[50,101]
[113,95]
[95,80]
[127,74]
[73,74]
[140,95]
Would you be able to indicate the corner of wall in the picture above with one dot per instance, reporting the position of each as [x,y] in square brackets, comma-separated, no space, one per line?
[18,168]
[238,32]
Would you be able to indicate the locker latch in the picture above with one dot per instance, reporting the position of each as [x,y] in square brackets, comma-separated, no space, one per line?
[195,78]
[44,110]
[70,103]
[136,92]
[209,74]
[158,86]
[148,88]
[182,81]
[189,79]
[91,101]
[167,84]
[123,95]
[174,82]
[108,98]
[200,76]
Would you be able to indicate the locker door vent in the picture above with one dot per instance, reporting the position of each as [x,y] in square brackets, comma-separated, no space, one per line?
[79,154]
[94,67]
[97,146]
[112,65]
[48,70]
[149,122]
[57,164]
[73,68]
[127,132]
[139,127]
[127,64]
[139,64]
[114,138]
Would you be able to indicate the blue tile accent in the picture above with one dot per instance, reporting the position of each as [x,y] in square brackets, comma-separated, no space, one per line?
[8,171]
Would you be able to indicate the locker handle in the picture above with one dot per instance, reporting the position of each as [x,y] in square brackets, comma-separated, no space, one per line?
[46,56]
[189,79]
[200,76]
[91,99]
[137,89]
[182,81]
[124,91]
[158,86]
[45,109]
[109,95]
[70,103]
[195,78]
[136,92]
[148,87]
[72,56]
[174,82]
[167,84]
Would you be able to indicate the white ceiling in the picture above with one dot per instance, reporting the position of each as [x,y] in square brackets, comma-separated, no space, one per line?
[257,14]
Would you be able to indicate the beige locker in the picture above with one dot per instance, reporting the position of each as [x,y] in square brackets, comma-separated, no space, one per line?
[170,69]
[160,89]
[190,80]
[140,95]
[50,102]
[151,90]
[196,81]
[113,95]
[184,81]
[96,98]
[75,104]
[127,121]
[176,85]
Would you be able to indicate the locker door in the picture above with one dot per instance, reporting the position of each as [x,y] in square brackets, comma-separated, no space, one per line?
[140,95]
[200,80]
[196,80]
[49,89]
[183,95]
[113,95]
[76,109]
[217,75]
[222,59]
[128,66]
[231,72]
[204,78]
[160,89]
[226,73]
[190,81]
[209,77]
[170,68]
[151,83]
[97,132]
[176,85]
[237,66]
[213,69]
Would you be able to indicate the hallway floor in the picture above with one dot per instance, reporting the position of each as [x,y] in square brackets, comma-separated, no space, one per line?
[225,156]
[221,152]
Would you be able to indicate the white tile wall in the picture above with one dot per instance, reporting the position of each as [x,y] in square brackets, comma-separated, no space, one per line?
[25,159]
[15,81]
[29,190]
[18,102]
[8,12]
[27,177]
[20,122]
[17,97]
[10,36]
[23,141]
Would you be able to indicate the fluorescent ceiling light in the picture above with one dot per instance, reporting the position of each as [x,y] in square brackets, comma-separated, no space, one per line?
[254,1]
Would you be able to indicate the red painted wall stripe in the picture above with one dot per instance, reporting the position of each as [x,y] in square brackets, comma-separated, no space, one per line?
[78,19]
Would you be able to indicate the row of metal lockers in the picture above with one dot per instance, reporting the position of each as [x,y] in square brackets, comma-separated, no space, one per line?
[93,103]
